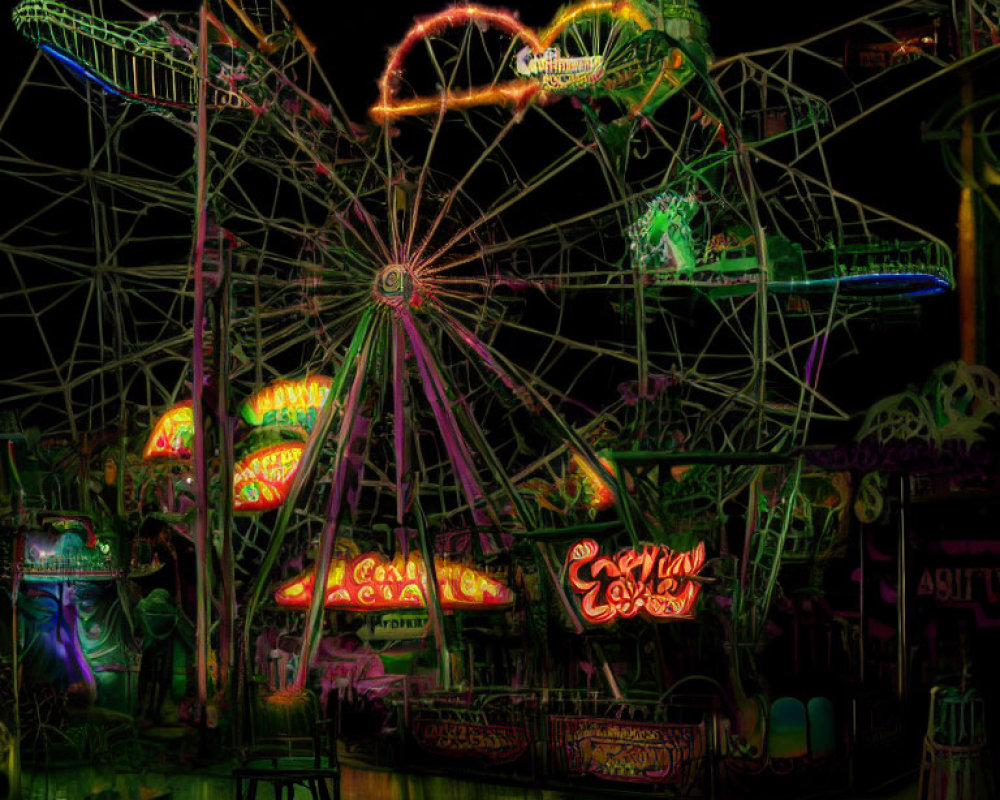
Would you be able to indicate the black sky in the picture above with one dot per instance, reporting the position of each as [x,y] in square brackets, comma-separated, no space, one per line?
[888,163]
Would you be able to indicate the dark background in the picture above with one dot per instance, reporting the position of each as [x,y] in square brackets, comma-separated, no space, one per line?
[884,161]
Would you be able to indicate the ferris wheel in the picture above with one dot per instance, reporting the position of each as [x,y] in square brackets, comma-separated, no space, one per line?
[548,250]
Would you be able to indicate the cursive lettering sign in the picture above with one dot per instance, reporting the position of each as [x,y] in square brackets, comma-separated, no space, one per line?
[654,580]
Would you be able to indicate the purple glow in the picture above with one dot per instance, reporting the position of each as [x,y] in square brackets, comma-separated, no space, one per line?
[437,395]
[324,557]
[481,350]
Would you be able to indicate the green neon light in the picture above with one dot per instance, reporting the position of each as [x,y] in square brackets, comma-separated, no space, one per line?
[149,62]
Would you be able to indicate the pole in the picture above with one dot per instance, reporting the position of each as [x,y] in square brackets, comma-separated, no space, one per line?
[966,279]
[227,615]
[861,606]
[431,593]
[200,462]
[313,631]
[902,637]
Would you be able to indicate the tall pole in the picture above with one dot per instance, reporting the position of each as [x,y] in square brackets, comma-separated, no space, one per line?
[400,429]
[200,461]
[902,590]
[967,290]
[432,596]
[967,246]
[14,719]
[862,622]
[324,556]
[227,615]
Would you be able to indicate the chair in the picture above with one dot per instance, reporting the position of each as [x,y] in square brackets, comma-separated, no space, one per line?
[788,735]
[289,748]
[954,764]
[822,729]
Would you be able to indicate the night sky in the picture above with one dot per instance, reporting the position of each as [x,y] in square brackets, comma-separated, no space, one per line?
[884,162]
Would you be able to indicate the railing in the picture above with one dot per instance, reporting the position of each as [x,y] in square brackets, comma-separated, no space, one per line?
[159,69]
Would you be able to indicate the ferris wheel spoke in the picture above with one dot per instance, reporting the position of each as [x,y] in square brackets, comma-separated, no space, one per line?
[418,194]
[332,408]
[512,199]
[354,202]
[500,474]
[572,343]
[488,149]
[436,391]
[400,423]
[342,464]
[536,236]
[481,354]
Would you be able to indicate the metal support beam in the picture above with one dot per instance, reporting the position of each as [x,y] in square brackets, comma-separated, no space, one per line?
[967,247]
[902,632]
[202,562]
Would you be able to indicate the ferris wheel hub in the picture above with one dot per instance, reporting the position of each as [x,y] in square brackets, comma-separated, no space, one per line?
[394,284]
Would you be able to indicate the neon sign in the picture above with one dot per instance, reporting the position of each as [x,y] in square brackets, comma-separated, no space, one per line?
[287,402]
[655,581]
[457,738]
[634,752]
[172,435]
[560,73]
[582,486]
[261,480]
[539,60]
[372,582]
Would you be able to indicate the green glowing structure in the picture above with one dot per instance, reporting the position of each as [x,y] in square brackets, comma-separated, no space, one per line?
[152,62]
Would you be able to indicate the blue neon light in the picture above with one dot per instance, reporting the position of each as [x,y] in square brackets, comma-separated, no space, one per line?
[82,70]
[923,283]
[937,284]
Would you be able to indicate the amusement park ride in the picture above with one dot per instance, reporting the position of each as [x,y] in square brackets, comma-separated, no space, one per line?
[524,369]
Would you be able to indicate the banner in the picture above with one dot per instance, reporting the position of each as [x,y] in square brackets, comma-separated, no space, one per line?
[457,738]
[636,752]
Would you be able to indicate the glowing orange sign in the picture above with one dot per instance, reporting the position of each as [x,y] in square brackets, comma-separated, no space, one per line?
[261,480]
[372,582]
[172,434]
[288,402]
[655,581]
[596,492]
[516,92]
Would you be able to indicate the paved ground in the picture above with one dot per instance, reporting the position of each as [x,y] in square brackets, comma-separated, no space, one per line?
[104,784]
[370,785]
[908,792]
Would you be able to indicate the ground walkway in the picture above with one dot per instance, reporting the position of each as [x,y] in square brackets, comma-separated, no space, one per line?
[356,784]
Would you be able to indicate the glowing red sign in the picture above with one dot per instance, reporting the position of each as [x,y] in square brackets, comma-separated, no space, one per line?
[372,582]
[261,480]
[655,581]
[294,402]
[172,435]
[457,738]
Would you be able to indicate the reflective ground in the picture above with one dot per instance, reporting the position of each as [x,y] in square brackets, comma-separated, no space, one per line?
[356,784]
